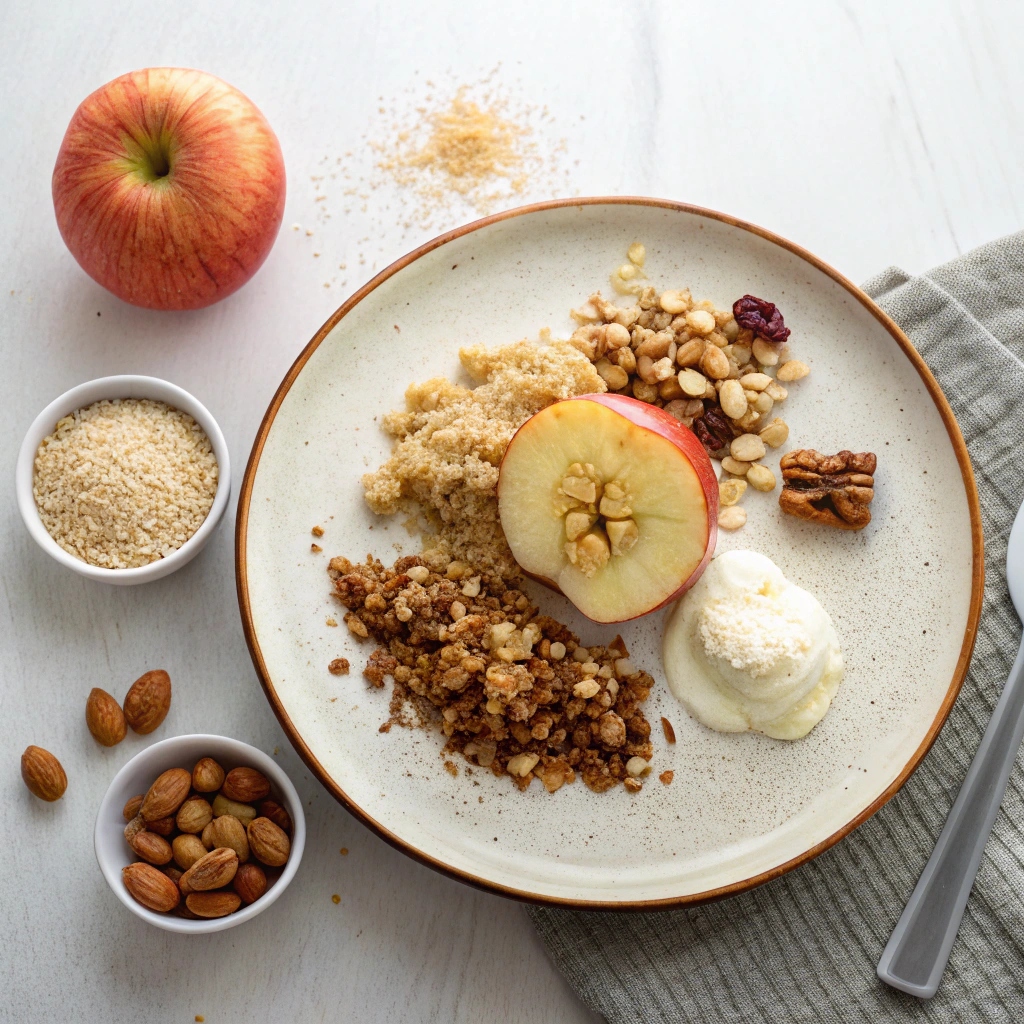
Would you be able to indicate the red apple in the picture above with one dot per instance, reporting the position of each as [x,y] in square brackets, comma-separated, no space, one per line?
[610,501]
[169,188]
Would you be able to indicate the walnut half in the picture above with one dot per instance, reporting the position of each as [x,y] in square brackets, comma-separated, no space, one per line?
[831,489]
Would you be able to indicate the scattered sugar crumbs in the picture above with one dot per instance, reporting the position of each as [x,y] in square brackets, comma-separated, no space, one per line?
[450,440]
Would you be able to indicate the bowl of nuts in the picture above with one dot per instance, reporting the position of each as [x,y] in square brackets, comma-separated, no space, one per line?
[199,833]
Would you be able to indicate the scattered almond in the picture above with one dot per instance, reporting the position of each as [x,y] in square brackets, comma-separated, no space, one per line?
[207,776]
[134,827]
[43,774]
[167,794]
[104,717]
[152,888]
[246,785]
[268,842]
[162,826]
[148,701]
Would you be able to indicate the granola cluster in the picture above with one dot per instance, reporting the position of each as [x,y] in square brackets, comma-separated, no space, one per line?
[516,691]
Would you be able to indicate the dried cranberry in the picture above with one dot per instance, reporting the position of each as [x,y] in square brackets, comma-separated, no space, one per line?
[761,317]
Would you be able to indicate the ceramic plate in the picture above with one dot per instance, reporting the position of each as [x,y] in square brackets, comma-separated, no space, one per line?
[905,593]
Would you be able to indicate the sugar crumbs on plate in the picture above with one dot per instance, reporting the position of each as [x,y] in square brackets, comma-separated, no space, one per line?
[515,691]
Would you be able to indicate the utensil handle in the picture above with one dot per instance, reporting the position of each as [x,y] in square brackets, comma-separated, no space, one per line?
[917,951]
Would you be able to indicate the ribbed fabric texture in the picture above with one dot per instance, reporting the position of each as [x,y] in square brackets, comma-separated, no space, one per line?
[804,947]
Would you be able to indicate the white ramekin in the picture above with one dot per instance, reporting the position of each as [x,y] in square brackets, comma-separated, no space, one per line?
[124,386]
[135,778]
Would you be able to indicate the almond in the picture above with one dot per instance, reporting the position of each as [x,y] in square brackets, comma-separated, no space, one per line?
[250,882]
[167,794]
[276,813]
[213,904]
[134,827]
[194,815]
[152,888]
[246,785]
[150,847]
[212,871]
[104,717]
[172,872]
[131,809]
[148,701]
[227,831]
[43,774]
[243,812]
[187,849]
[207,776]
[162,826]
[268,842]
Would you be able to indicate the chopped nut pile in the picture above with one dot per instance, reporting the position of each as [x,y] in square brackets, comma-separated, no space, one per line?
[719,375]
[516,691]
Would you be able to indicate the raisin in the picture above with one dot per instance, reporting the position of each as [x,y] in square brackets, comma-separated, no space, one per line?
[761,317]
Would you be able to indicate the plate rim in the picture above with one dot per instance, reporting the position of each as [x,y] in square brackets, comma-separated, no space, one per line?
[467,877]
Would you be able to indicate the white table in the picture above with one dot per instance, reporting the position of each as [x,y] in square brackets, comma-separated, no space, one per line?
[870,134]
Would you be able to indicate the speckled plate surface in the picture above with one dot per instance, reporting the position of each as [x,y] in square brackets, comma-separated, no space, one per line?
[905,593]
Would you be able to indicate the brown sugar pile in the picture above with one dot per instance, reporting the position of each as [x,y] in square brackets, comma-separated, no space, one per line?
[516,691]
[450,440]
[478,152]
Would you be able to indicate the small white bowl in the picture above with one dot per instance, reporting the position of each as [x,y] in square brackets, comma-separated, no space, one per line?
[113,853]
[125,386]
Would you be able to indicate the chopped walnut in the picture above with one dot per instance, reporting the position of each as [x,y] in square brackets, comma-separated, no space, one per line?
[496,675]
[831,489]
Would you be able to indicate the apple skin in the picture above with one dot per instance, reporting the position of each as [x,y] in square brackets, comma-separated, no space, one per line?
[660,422]
[169,188]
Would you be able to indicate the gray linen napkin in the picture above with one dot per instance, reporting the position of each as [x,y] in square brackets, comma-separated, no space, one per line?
[803,948]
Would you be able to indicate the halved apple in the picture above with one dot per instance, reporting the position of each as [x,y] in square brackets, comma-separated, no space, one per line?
[610,501]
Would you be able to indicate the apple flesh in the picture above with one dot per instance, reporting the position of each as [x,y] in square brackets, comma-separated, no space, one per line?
[610,501]
[169,188]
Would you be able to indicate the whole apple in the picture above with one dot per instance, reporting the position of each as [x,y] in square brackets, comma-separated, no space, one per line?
[169,188]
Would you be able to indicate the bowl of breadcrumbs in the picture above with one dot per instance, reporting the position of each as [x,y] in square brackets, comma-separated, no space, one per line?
[123,479]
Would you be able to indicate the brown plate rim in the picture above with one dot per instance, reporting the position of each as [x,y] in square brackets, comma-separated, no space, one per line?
[709,895]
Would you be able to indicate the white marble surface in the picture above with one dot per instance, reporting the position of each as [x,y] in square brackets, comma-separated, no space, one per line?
[873,133]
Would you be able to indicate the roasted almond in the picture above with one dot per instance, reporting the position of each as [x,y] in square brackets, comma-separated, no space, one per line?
[152,888]
[243,812]
[187,849]
[148,701]
[212,871]
[104,717]
[207,776]
[162,826]
[131,809]
[250,882]
[246,785]
[268,842]
[229,832]
[43,774]
[172,872]
[276,813]
[213,904]
[166,795]
[194,815]
[134,827]
[151,848]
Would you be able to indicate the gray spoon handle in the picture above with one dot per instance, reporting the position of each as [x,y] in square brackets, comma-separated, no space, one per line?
[917,951]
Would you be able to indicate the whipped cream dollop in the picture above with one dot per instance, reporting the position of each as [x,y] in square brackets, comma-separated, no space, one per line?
[745,649]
